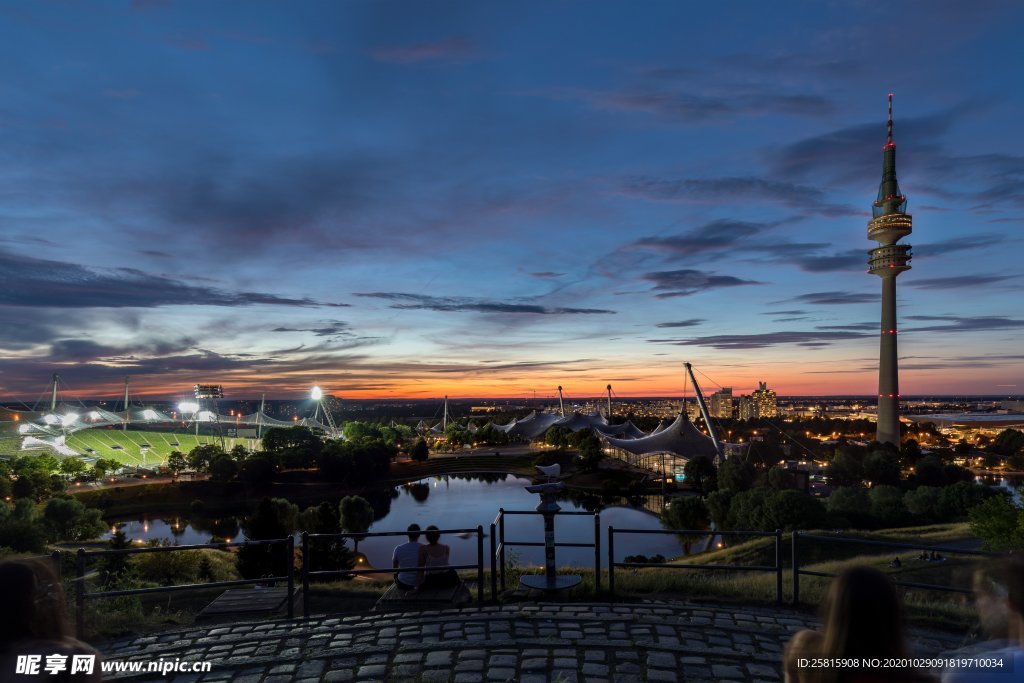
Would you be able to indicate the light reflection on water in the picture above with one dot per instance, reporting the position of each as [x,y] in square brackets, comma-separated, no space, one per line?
[457,503]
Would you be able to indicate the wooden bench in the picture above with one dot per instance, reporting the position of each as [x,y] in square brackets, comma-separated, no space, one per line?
[249,603]
[395,598]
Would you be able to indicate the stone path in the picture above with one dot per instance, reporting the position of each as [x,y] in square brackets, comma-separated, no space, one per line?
[533,643]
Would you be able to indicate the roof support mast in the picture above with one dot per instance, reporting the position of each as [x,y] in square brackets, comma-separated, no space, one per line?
[704,414]
[444,420]
[561,404]
[259,416]
[609,401]
[53,398]
[127,415]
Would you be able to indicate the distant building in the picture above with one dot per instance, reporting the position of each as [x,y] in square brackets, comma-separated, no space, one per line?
[765,401]
[721,403]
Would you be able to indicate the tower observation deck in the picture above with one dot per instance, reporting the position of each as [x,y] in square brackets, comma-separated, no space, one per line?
[889,223]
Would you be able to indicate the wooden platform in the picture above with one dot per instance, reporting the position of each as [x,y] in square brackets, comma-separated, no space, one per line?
[249,603]
[395,598]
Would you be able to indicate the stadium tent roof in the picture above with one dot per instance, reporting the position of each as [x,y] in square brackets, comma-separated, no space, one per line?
[262,420]
[577,421]
[661,426]
[533,425]
[626,430]
[680,438]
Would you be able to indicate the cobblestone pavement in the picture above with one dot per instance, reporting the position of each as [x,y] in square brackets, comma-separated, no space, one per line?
[539,643]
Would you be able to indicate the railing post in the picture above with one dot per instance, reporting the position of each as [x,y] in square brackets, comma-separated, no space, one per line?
[80,593]
[494,565]
[778,566]
[796,569]
[305,574]
[480,564]
[501,536]
[611,561]
[290,545]
[597,552]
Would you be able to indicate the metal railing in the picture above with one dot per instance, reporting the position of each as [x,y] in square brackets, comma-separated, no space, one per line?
[307,555]
[81,594]
[798,572]
[499,544]
[776,568]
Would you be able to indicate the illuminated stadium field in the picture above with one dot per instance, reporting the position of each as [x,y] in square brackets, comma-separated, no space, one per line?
[128,446]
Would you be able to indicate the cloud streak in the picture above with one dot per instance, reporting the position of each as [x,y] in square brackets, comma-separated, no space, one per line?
[423,302]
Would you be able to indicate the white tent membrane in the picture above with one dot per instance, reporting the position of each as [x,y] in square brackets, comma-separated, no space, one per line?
[626,430]
[681,438]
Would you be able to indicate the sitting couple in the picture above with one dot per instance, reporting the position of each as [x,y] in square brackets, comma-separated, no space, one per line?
[421,566]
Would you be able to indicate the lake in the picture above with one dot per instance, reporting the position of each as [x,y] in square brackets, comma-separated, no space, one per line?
[453,502]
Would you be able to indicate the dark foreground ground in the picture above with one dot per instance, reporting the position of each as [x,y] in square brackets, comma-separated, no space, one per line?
[528,643]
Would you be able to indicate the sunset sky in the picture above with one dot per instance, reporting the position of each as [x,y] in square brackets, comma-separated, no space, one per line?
[411,199]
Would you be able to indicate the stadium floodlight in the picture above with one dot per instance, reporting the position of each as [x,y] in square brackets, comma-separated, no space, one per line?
[68,420]
[316,394]
[50,419]
[189,407]
[94,415]
[206,416]
[24,429]
[149,414]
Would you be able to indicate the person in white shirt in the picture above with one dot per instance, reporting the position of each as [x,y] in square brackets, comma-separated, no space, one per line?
[406,559]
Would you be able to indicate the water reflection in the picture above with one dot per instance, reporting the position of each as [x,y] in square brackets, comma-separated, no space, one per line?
[460,502]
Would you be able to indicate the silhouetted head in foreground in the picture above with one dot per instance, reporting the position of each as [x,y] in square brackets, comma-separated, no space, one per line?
[432,534]
[33,601]
[862,616]
[413,531]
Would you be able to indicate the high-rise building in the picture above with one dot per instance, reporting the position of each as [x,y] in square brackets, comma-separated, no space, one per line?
[721,403]
[760,403]
[889,223]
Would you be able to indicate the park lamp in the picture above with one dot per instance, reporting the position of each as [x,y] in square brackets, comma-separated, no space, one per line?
[316,394]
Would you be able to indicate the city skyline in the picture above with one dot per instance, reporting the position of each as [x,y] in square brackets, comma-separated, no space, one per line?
[405,200]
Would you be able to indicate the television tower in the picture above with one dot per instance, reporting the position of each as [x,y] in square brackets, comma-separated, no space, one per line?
[889,223]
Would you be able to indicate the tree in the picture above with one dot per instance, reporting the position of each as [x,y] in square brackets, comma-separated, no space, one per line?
[223,468]
[957,499]
[356,516]
[998,523]
[292,447]
[887,505]
[72,467]
[930,472]
[851,503]
[557,437]
[882,467]
[736,475]
[176,463]
[687,513]
[845,470]
[791,509]
[701,473]
[201,457]
[419,451]
[325,553]
[1008,442]
[925,502]
[258,469]
[718,504]
[590,452]
[66,519]
[274,518]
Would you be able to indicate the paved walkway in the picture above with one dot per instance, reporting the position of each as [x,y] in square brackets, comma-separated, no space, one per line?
[531,643]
